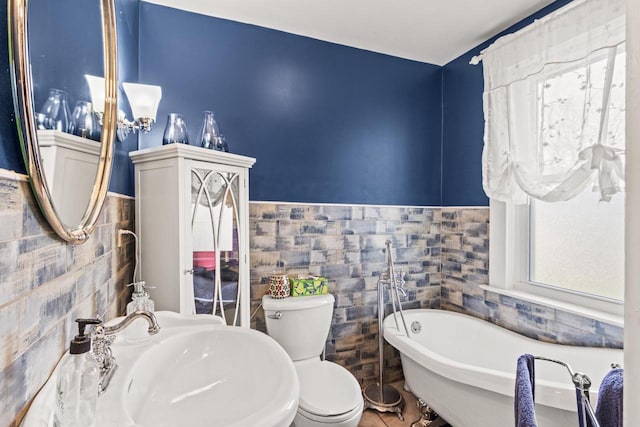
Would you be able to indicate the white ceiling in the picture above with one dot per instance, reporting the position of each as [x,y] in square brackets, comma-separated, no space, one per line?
[433,31]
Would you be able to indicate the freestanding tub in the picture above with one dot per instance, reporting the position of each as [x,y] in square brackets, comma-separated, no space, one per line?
[464,368]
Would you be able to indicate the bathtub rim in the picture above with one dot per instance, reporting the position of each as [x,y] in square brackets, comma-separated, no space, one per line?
[558,395]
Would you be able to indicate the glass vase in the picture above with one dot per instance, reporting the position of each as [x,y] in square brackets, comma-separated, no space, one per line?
[209,132]
[176,130]
[221,144]
[54,113]
[83,121]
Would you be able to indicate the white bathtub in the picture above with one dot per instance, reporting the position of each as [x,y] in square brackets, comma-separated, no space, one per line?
[464,368]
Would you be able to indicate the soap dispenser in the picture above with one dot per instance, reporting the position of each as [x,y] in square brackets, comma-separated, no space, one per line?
[140,299]
[77,382]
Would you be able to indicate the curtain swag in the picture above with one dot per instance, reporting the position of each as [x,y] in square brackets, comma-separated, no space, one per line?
[554,106]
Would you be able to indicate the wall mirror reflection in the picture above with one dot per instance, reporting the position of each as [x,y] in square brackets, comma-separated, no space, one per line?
[66,136]
[60,55]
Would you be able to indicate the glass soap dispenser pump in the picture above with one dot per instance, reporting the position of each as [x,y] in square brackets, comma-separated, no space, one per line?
[140,299]
[77,382]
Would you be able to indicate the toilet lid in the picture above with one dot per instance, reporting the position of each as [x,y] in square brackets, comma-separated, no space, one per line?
[327,389]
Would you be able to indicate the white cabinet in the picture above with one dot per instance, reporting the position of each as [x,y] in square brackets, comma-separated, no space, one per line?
[192,219]
[70,164]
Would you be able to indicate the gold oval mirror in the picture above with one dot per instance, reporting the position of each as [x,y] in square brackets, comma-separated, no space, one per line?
[68,159]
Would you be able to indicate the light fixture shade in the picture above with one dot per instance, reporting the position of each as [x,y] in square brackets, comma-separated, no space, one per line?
[97,90]
[144,99]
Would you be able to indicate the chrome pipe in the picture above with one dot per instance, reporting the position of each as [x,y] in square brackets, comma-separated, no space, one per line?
[394,291]
[381,397]
[387,279]
[586,407]
[393,304]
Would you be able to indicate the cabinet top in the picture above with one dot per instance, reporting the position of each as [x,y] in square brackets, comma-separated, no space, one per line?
[55,138]
[190,152]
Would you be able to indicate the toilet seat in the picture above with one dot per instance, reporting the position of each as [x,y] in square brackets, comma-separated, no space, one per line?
[337,419]
[328,392]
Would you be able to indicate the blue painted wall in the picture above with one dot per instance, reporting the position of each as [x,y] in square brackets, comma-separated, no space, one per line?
[64,44]
[327,123]
[127,20]
[463,123]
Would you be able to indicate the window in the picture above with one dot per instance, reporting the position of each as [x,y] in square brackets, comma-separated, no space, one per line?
[578,245]
[569,252]
[553,160]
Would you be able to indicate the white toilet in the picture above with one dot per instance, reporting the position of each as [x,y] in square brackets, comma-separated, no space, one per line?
[329,394]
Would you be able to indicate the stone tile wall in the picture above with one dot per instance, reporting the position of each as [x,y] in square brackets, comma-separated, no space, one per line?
[46,283]
[465,266]
[346,244]
[444,250]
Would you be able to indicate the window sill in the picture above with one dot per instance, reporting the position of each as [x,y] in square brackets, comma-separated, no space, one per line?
[600,316]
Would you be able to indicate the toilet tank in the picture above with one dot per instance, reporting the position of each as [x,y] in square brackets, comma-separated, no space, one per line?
[302,325]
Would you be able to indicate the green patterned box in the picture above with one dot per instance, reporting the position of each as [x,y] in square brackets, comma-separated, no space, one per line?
[307,286]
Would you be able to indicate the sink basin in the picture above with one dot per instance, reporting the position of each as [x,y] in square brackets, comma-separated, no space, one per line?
[221,376]
[195,372]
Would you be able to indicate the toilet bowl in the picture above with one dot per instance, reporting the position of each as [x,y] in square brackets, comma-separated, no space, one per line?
[329,394]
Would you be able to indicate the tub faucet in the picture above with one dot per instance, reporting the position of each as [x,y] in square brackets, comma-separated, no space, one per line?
[103,337]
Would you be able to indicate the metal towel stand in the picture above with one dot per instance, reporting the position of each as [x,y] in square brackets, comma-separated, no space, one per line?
[384,397]
[582,383]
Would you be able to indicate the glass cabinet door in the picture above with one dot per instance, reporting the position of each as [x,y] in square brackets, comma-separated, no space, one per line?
[215,237]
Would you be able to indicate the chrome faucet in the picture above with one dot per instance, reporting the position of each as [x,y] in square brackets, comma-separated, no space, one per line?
[154,328]
[103,337]
[399,283]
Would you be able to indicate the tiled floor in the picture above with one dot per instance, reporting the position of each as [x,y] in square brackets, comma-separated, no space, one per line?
[371,418]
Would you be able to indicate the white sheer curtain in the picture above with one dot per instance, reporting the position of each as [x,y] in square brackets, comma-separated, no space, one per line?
[554,106]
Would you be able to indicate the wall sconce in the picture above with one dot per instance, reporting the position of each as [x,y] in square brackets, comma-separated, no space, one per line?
[143,99]
[96,89]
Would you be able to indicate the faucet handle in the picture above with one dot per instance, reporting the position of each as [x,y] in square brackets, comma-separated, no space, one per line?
[402,290]
[399,282]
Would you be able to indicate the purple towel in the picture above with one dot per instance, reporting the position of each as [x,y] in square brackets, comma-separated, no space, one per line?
[523,404]
[609,408]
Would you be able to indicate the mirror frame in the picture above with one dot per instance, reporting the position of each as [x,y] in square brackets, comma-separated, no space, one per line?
[25,112]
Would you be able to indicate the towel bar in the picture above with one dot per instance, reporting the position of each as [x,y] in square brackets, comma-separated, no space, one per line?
[582,383]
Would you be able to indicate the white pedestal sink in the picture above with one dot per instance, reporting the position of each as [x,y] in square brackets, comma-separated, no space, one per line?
[195,372]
